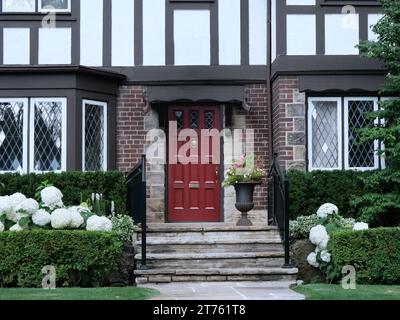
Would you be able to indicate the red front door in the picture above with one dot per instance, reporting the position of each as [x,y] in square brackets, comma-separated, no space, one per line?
[194,169]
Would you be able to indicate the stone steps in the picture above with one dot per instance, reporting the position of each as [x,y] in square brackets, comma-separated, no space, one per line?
[210,246]
[210,233]
[211,252]
[213,260]
[235,274]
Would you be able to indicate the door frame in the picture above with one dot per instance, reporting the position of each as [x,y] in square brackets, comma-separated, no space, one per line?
[220,108]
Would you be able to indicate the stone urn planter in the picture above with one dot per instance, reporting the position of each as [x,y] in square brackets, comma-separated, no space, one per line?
[244,201]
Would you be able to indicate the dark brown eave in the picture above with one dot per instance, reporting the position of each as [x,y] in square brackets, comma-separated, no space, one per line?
[332,73]
[326,65]
[62,69]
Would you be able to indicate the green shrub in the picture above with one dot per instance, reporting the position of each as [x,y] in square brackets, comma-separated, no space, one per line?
[81,258]
[374,253]
[309,190]
[123,226]
[380,203]
[300,227]
[75,186]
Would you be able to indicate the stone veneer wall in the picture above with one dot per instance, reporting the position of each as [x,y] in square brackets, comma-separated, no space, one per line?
[257,120]
[289,122]
[134,120]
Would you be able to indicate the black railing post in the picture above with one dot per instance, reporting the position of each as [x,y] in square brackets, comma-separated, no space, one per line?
[143,265]
[287,264]
[280,206]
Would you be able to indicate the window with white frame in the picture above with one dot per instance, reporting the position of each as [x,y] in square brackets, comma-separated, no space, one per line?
[13,134]
[48,134]
[27,6]
[324,118]
[94,153]
[359,156]
[334,127]
[36,127]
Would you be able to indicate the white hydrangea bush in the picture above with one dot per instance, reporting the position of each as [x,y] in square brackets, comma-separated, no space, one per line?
[96,223]
[52,197]
[18,213]
[327,220]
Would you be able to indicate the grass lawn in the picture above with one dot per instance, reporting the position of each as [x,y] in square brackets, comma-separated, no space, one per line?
[125,293]
[336,292]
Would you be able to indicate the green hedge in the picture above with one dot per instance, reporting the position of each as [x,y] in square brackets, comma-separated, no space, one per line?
[74,186]
[309,190]
[81,258]
[374,253]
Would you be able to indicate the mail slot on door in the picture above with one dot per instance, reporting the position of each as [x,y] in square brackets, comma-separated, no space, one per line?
[194,185]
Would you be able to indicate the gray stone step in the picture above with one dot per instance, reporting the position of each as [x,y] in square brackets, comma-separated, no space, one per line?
[212,235]
[209,232]
[210,246]
[227,274]
[213,260]
[187,227]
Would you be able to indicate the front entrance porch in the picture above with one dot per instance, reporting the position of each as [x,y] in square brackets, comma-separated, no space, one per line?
[211,252]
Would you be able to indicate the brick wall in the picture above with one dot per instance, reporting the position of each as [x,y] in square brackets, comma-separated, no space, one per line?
[257,119]
[130,127]
[289,128]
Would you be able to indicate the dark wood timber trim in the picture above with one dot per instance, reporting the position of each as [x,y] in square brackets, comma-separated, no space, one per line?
[138,44]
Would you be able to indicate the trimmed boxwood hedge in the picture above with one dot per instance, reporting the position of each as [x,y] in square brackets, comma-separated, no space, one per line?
[309,190]
[75,186]
[374,253]
[81,258]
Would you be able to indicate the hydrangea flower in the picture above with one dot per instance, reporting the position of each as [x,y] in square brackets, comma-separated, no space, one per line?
[16,228]
[325,256]
[52,197]
[319,236]
[312,260]
[16,199]
[76,218]
[30,206]
[61,219]
[5,205]
[2,227]
[327,209]
[96,223]
[360,226]
[41,218]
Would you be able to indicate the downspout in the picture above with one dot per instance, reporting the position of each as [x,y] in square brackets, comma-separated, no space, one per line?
[269,83]
[269,106]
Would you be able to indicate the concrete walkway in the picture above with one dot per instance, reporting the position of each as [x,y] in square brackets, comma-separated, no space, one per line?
[225,291]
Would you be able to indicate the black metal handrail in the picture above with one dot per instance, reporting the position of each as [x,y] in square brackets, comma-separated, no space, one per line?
[279,205]
[136,202]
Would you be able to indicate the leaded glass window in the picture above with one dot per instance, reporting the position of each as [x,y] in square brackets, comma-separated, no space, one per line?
[12,135]
[48,134]
[324,128]
[179,119]
[194,120]
[334,140]
[359,155]
[209,120]
[18,5]
[94,136]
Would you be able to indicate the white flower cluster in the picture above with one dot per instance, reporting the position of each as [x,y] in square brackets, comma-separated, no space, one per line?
[96,223]
[358,226]
[51,212]
[52,197]
[326,209]
[319,235]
